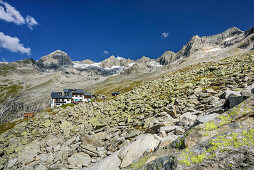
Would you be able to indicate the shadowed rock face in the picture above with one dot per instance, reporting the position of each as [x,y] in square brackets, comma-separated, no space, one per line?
[54,60]
[167,58]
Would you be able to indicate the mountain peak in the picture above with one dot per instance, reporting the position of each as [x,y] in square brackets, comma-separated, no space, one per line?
[144,59]
[167,58]
[54,60]
[232,32]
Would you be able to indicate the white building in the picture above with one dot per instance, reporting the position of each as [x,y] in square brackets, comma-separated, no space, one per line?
[59,99]
[69,96]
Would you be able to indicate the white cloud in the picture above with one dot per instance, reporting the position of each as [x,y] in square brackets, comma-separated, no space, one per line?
[164,35]
[10,14]
[12,44]
[106,52]
[31,22]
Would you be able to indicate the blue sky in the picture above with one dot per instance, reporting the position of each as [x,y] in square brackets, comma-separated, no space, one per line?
[96,29]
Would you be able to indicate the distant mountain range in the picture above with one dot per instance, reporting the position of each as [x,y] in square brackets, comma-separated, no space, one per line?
[26,84]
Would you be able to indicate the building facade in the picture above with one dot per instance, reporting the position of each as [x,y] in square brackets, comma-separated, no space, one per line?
[59,98]
[69,96]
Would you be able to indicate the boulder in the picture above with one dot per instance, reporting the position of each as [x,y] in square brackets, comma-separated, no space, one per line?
[111,162]
[235,100]
[167,140]
[145,143]
[132,134]
[207,118]
[11,163]
[52,141]
[78,160]
[204,95]
[187,119]
[29,153]
[210,91]
[168,128]
[227,93]
[179,130]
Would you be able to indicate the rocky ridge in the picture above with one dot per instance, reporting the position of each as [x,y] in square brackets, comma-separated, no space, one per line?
[230,42]
[134,124]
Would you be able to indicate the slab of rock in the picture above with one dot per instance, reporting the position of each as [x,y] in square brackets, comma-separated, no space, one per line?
[167,140]
[111,162]
[187,119]
[144,143]
[70,141]
[204,95]
[227,93]
[101,151]
[11,163]
[90,150]
[210,91]
[168,128]
[46,158]
[79,160]
[52,141]
[246,93]
[29,153]
[206,118]
[132,134]
[179,130]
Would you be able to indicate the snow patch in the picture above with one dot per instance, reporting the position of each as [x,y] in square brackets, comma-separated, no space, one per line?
[213,49]
[113,67]
[155,64]
[119,58]
[131,64]
[230,38]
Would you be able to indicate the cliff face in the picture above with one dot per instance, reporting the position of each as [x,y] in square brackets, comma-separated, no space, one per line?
[167,58]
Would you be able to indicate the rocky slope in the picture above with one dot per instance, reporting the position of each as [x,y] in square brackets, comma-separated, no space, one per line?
[26,85]
[176,121]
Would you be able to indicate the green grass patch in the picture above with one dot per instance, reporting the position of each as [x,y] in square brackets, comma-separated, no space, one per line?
[66,105]
[9,125]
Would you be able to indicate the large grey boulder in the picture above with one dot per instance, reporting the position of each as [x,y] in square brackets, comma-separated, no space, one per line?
[54,60]
[144,143]
[207,118]
[187,119]
[111,162]
[235,100]
[29,153]
[79,160]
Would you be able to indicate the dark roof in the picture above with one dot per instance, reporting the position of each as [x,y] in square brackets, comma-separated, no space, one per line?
[74,90]
[60,95]
[116,92]
[87,94]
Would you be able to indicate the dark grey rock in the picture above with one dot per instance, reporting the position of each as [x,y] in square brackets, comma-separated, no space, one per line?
[235,100]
